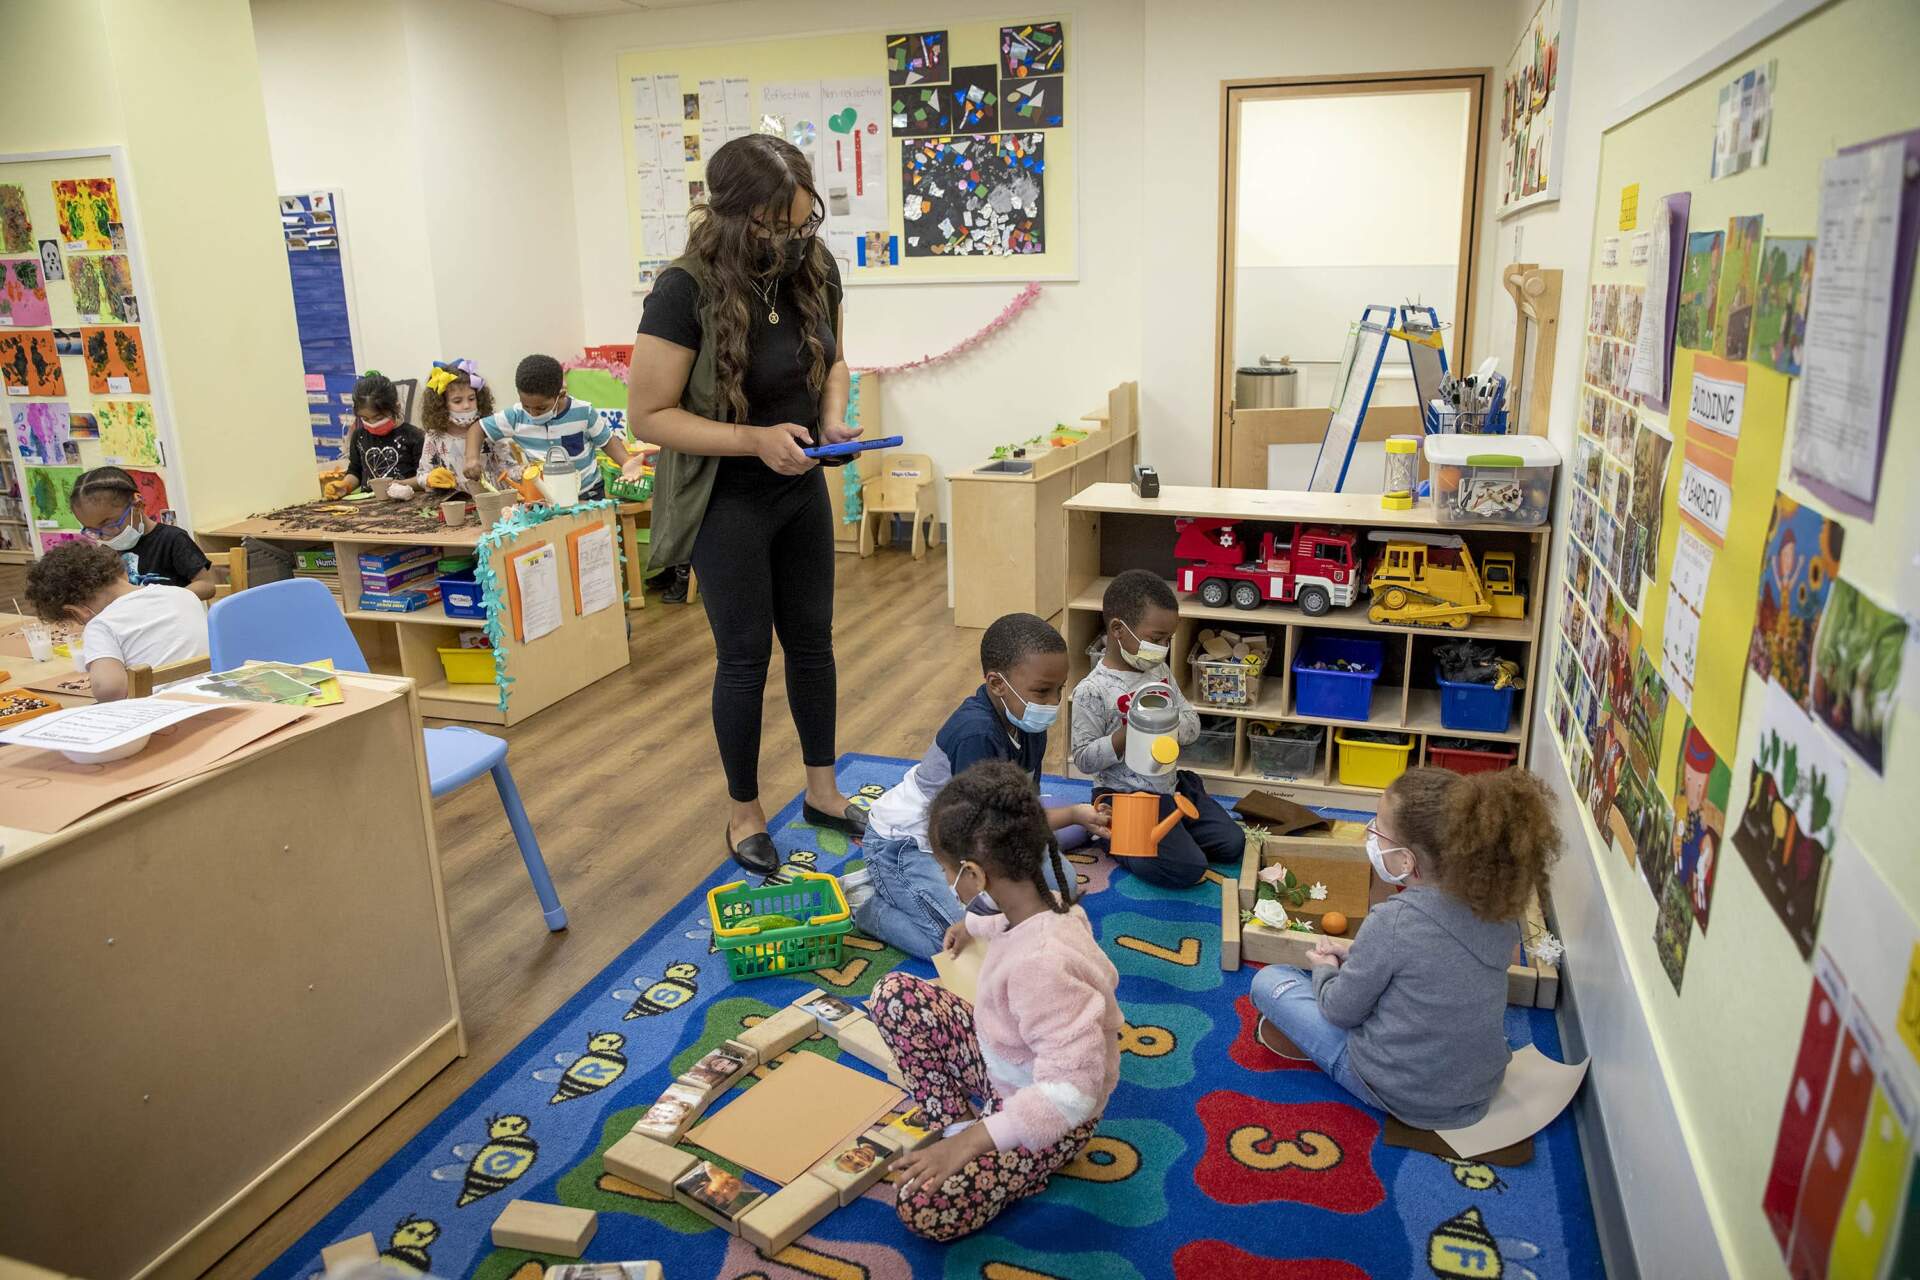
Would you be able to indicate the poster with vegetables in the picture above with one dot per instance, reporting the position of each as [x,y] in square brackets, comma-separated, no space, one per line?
[1787,829]
[1856,671]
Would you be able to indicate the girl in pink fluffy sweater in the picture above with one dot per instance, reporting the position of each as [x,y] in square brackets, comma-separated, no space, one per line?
[1037,1056]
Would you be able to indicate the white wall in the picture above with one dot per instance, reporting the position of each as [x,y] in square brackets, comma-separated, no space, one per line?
[443,125]
[1053,365]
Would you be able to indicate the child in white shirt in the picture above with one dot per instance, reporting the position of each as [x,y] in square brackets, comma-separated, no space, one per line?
[124,625]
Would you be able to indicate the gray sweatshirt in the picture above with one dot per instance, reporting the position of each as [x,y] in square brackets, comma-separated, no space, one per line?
[1423,996]
[1096,714]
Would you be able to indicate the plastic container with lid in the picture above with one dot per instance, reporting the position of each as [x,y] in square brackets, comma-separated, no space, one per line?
[1497,480]
[1402,474]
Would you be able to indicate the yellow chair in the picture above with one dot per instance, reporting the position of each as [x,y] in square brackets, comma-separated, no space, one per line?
[903,487]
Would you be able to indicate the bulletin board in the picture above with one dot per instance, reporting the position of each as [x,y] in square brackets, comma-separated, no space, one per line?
[313,225]
[1727,697]
[831,95]
[94,389]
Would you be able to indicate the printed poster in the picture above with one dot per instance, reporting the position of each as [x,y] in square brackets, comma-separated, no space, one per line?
[1699,291]
[1701,784]
[1780,320]
[1739,262]
[1802,560]
[1797,785]
[1856,671]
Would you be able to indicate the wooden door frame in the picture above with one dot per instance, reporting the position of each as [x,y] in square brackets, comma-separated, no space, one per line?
[1474,80]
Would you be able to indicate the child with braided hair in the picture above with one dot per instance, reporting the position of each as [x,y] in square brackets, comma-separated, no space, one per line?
[1037,1055]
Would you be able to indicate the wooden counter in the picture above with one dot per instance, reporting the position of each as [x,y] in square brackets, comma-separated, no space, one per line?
[215,989]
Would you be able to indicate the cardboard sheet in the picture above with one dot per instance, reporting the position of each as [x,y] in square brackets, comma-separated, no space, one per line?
[792,1119]
[1535,1091]
[960,973]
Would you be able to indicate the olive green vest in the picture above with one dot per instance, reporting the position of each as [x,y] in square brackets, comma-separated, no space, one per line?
[683,482]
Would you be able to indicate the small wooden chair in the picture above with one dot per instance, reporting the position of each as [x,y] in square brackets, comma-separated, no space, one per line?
[903,487]
[234,561]
[143,680]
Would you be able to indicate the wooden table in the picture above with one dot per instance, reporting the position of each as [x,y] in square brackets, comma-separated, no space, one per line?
[21,670]
[219,987]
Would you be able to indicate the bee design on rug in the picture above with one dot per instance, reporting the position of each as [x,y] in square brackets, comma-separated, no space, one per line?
[677,987]
[407,1247]
[1474,1176]
[578,1074]
[788,871]
[493,1165]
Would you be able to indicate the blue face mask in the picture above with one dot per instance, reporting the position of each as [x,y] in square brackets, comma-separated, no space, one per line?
[1035,717]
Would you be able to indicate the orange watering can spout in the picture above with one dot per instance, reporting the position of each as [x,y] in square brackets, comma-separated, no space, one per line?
[1180,805]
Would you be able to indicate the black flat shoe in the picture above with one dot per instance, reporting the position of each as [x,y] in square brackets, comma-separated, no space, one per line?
[853,822]
[756,853]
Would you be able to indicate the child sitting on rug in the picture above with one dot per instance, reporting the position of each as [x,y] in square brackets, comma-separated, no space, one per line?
[1037,1053]
[1141,613]
[1410,1015]
[547,417]
[123,625]
[900,896]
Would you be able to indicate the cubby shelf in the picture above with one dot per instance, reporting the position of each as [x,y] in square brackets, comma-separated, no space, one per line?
[1352,618]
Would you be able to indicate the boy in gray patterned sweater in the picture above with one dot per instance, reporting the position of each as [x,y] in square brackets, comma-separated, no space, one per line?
[1141,613]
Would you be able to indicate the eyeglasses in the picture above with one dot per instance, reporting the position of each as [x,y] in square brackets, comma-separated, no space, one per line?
[106,531]
[785,235]
[1387,843]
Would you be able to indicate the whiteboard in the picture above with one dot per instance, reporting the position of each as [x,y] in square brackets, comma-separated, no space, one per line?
[1343,428]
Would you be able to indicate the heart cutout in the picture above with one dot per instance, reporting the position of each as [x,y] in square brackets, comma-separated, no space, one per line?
[842,121]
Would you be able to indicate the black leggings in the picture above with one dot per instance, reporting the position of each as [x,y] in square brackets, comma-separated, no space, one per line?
[765,559]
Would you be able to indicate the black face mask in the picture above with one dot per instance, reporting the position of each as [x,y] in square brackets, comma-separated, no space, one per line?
[784,261]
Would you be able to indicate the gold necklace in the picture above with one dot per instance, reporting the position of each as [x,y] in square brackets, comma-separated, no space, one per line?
[766,296]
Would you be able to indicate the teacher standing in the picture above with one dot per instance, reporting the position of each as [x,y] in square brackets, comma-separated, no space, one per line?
[737,367]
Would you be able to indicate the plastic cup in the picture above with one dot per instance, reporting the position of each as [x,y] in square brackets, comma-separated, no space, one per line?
[40,643]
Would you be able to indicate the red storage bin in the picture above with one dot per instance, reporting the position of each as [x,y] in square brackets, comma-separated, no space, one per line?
[1478,759]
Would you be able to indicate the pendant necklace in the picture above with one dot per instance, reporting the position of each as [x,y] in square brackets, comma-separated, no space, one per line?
[766,296]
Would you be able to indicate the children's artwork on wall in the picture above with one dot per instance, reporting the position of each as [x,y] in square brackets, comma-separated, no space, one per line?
[1856,671]
[917,57]
[1650,451]
[129,436]
[42,432]
[973,195]
[48,489]
[1673,931]
[1794,794]
[83,426]
[1032,49]
[152,486]
[923,111]
[23,293]
[1780,303]
[1733,314]
[1701,784]
[1533,110]
[1039,103]
[88,210]
[30,365]
[1699,291]
[52,266]
[1802,561]
[976,100]
[101,285]
[16,227]
[116,365]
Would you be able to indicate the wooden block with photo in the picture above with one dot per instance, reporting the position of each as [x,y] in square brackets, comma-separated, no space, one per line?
[856,1166]
[672,1114]
[648,1162]
[787,1214]
[360,1248]
[830,1011]
[717,1071]
[716,1195]
[907,1126]
[777,1033]
[606,1271]
[545,1228]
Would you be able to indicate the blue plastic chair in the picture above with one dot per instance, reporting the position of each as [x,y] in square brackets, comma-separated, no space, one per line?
[297,621]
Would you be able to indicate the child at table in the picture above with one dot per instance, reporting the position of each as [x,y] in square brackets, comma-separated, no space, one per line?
[1410,1015]
[122,625]
[901,896]
[455,398]
[546,416]
[1037,1054]
[112,511]
[1141,613]
[383,451]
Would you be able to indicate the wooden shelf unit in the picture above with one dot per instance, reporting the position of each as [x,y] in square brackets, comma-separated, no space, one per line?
[1109,529]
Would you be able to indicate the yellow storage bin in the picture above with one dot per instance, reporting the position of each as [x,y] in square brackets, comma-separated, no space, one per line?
[467,666]
[1371,764]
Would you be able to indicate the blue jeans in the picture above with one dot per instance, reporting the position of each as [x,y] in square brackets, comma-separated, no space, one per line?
[1284,997]
[912,902]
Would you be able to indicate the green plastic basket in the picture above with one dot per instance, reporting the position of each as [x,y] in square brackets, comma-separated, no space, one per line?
[817,942]
[624,490]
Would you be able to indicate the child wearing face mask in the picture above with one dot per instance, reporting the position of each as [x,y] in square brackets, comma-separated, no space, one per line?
[122,625]
[901,896]
[455,398]
[546,417]
[383,451]
[1410,1015]
[111,511]
[1141,613]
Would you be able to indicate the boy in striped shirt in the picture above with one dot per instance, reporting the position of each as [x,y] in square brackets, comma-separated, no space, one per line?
[546,416]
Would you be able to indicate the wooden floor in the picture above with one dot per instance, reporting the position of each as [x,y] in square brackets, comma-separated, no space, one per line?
[623,784]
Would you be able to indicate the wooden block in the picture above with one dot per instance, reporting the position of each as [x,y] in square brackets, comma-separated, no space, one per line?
[862,1039]
[654,1165]
[1215,646]
[1250,875]
[1229,925]
[1262,945]
[545,1228]
[831,1012]
[673,1114]
[856,1166]
[605,1270]
[788,1213]
[717,1071]
[1546,987]
[361,1248]
[1522,985]
[716,1195]
[773,1036]
[904,1125]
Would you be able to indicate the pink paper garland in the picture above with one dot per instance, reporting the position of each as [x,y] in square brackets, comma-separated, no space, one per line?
[1021,301]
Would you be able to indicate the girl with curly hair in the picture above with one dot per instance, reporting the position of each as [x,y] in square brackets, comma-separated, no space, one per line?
[1409,1016]
[456,397]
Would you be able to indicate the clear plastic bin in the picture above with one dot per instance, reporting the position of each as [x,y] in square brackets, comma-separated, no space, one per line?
[1213,749]
[1503,480]
[1285,757]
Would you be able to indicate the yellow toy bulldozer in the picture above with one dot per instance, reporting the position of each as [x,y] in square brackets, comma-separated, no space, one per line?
[1409,586]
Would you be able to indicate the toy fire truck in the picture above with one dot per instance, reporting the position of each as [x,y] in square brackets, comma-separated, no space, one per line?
[1225,560]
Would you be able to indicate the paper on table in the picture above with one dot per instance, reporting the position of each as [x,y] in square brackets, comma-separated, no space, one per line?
[643,101]
[596,584]
[1850,326]
[739,103]
[1536,1089]
[960,973]
[792,1119]
[102,727]
[536,577]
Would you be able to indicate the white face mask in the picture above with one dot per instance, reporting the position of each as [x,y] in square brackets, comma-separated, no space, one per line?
[542,419]
[954,888]
[463,417]
[1146,655]
[1377,855]
[124,540]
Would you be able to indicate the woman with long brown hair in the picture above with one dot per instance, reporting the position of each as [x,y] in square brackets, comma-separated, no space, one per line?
[737,367]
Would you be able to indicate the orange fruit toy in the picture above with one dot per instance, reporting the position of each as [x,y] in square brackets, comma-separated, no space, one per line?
[1333,924]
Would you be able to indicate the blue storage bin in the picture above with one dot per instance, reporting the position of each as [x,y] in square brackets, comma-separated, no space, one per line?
[460,596]
[1477,708]
[1339,695]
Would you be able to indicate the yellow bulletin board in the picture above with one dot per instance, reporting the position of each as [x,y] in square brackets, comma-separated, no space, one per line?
[830,94]
[1723,957]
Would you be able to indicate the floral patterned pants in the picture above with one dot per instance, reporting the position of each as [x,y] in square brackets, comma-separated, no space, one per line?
[930,1031]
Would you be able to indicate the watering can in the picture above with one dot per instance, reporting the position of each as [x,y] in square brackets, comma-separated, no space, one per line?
[1152,717]
[1135,833]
